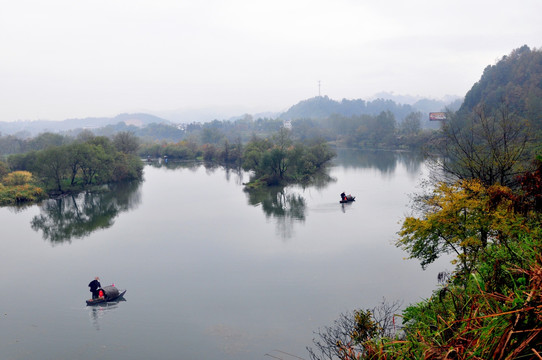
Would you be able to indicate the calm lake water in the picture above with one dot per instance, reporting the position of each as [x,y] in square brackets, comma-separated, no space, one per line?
[211,271]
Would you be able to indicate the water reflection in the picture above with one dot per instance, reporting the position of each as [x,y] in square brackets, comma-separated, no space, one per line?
[281,204]
[98,312]
[384,161]
[296,280]
[319,181]
[210,168]
[175,164]
[345,206]
[77,216]
[18,208]
[238,172]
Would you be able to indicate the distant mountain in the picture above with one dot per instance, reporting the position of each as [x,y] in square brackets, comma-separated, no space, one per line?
[515,80]
[431,105]
[317,107]
[32,128]
[401,99]
[415,100]
[261,115]
[322,107]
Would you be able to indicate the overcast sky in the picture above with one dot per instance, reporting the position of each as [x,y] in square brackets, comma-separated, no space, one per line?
[76,58]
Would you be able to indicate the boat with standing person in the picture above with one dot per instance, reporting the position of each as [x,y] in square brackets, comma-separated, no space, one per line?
[107,294]
[346,198]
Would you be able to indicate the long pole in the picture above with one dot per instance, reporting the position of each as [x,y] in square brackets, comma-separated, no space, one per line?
[319,95]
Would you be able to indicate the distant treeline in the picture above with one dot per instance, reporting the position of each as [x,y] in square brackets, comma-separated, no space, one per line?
[378,131]
[208,133]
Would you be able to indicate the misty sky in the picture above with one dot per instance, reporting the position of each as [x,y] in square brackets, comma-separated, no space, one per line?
[65,59]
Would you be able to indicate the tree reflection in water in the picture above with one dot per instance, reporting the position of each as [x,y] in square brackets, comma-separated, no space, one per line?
[210,168]
[283,204]
[77,216]
[384,161]
[175,164]
[278,203]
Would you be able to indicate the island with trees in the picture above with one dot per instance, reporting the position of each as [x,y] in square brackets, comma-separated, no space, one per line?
[63,165]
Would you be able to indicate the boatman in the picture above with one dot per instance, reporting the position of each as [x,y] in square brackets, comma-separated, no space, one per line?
[94,285]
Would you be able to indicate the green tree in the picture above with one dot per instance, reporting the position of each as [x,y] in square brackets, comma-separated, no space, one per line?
[45,140]
[95,164]
[126,142]
[26,161]
[85,135]
[383,128]
[280,160]
[411,125]
[75,152]
[282,139]
[275,163]
[126,167]
[11,145]
[320,153]
[53,165]
[4,169]
[211,135]
[209,152]
[253,152]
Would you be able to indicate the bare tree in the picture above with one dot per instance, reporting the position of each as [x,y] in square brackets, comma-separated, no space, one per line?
[346,337]
[491,148]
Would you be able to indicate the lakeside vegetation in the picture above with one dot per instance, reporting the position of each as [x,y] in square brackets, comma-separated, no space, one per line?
[63,168]
[489,307]
[484,206]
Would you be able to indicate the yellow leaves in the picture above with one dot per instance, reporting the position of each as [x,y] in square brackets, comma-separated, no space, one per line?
[460,217]
[364,326]
[17,178]
[470,241]
[18,194]
[17,188]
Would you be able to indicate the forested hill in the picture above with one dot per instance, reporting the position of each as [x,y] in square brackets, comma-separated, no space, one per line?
[32,128]
[321,107]
[515,80]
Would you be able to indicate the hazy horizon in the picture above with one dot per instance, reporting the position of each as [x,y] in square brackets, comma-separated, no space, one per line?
[64,59]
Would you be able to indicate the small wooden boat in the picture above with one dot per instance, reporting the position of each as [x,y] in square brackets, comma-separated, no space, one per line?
[347,198]
[110,294]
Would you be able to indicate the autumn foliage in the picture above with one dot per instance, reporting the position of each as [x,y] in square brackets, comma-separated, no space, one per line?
[490,306]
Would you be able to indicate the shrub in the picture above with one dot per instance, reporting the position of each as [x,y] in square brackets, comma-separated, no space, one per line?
[17,178]
[12,195]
